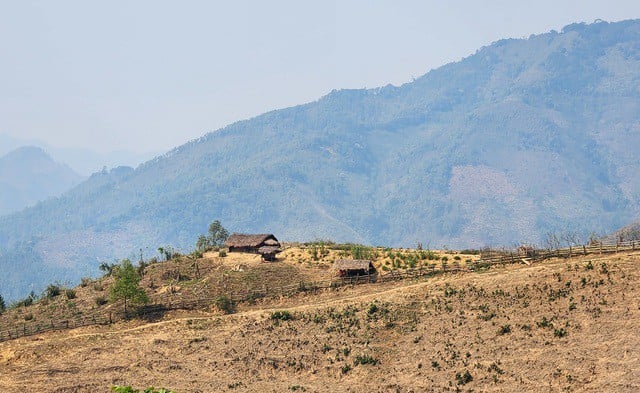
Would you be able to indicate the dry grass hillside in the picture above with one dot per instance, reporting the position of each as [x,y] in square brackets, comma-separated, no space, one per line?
[559,325]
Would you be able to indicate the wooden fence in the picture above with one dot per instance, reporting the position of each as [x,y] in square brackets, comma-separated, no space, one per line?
[179,302]
[505,257]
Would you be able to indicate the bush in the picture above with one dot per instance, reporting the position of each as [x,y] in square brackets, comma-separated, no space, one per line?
[222,253]
[224,304]
[26,302]
[465,378]
[365,359]
[52,291]
[70,294]
[100,301]
[282,315]
[505,329]
[129,389]
[2,304]
[559,332]
[544,323]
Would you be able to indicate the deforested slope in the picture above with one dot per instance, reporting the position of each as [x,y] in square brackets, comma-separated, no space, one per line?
[563,325]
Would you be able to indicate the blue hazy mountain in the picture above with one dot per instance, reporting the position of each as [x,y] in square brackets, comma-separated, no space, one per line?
[29,175]
[82,161]
[521,138]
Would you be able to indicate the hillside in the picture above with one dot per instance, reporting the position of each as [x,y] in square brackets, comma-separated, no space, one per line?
[29,175]
[560,325]
[524,137]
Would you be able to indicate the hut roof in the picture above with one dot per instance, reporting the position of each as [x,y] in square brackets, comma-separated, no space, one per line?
[352,264]
[247,240]
[269,250]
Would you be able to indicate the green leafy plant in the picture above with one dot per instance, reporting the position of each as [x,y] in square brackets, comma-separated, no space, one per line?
[70,294]
[504,329]
[560,332]
[365,359]
[224,304]
[464,378]
[283,315]
[51,291]
[127,285]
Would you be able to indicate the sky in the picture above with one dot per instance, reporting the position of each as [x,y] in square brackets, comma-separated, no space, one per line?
[149,75]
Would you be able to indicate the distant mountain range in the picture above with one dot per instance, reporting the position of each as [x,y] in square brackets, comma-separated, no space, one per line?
[83,161]
[522,138]
[29,175]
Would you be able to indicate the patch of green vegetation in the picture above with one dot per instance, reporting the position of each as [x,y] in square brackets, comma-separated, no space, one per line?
[283,315]
[129,389]
[365,359]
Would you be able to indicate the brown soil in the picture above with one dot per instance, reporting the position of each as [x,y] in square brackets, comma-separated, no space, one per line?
[561,325]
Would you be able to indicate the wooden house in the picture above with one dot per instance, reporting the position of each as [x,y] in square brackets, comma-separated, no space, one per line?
[353,267]
[264,244]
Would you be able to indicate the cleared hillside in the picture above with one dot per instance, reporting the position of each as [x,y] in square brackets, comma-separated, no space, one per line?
[561,325]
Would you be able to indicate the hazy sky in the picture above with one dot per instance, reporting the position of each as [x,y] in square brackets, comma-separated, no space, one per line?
[151,75]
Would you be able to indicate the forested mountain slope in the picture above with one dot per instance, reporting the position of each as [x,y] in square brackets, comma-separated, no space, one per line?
[524,137]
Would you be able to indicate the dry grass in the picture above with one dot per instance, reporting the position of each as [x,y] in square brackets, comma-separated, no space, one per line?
[556,326]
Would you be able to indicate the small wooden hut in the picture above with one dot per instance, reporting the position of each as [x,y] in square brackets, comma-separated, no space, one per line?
[264,244]
[353,267]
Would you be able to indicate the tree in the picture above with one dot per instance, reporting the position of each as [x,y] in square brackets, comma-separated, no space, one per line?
[127,285]
[2,305]
[202,244]
[107,268]
[216,238]
[217,234]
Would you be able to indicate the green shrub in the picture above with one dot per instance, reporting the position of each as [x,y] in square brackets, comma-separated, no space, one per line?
[52,291]
[465,378]
[365,359]
[544,323]
[559,332]
[129,389]
[224,304]
[100,301]
[283,315]
[222,253]
[26,302]
[504,329]
[70,294]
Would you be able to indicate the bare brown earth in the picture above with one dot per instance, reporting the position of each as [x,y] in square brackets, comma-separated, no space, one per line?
[560,325]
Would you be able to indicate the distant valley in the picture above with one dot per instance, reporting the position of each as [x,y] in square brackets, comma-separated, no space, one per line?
[522,138]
